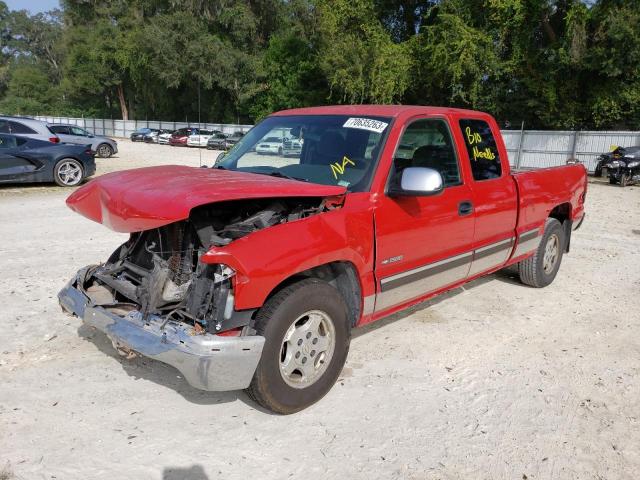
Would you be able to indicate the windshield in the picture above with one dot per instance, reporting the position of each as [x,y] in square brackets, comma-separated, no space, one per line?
[326,149]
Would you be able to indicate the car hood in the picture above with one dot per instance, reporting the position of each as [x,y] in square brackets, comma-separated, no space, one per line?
[147,198]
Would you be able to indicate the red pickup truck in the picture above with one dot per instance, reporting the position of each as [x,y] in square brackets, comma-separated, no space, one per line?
[251,274]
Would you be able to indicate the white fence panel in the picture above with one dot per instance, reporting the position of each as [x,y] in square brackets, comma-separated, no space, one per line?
[539,148]
[124,128]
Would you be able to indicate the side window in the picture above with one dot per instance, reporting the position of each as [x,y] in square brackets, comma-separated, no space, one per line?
[7,141]
[78,131]
[17,127]
[59,129]
[4,126]
[482,149]
[428,143]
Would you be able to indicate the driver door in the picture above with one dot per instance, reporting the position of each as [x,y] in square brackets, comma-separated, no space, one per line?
[423,243]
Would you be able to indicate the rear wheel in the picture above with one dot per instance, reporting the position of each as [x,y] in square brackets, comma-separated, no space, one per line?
[307,335]
[541,268]
[105,150]
[68,172]
[612,180]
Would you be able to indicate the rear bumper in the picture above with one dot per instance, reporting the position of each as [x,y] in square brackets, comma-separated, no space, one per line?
[89,167]
[207,362]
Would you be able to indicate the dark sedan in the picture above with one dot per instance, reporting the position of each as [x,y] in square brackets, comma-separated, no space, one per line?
[139,134]
[26,160]
[218,141]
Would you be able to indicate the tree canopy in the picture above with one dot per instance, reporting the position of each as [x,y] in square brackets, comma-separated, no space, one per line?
[550,63]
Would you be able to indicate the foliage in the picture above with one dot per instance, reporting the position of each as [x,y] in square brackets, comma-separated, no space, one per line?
[549,63]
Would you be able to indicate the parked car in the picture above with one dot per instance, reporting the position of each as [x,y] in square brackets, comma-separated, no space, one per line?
[622,166]
[179,137]
[28,160]
[270,145]
[154,135]
[103,146]
[199,138]
[234,138]
[138,135]
[163,138]
[28,127]
[217,141]
[253,274]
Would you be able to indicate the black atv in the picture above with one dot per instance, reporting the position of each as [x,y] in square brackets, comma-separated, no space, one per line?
[622,166]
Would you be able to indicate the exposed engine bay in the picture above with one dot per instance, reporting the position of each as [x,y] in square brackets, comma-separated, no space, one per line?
[158,272]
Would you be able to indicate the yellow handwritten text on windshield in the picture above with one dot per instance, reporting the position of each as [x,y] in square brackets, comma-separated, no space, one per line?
[338,168]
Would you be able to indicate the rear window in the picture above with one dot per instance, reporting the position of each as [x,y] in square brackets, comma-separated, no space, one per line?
[482,149]
[17,127]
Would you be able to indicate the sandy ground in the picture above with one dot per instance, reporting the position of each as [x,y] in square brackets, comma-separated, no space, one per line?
[496,380]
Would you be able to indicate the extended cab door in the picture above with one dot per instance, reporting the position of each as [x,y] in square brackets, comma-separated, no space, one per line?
[495,199]
[423,243]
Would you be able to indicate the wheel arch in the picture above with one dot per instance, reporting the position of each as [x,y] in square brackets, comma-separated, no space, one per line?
[562,213]
[341,274]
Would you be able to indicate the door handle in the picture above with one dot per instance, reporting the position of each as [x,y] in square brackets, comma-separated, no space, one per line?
[465,208]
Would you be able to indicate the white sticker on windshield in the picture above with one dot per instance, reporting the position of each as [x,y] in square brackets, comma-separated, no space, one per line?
[366,124]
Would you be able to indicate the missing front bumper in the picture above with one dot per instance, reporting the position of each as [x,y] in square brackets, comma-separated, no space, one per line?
[208,362]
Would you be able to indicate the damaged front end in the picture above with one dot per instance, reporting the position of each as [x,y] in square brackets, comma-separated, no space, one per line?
[156,298]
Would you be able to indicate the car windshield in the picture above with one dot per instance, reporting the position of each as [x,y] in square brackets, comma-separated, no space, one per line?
[326,149]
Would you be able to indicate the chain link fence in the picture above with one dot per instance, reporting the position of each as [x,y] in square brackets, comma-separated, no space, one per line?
[526,148]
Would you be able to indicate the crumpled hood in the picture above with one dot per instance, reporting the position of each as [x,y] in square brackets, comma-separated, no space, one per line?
[146,198]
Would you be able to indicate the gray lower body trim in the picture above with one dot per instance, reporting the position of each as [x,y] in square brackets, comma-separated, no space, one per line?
[413,283]
[428,278]
[527,242]
[207,362]
[491,256]
[368,304]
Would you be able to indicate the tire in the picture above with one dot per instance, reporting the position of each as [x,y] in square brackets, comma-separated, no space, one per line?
[68,172]
[540,270]
[104,150]
[612,180]
[290,313]
[624,180]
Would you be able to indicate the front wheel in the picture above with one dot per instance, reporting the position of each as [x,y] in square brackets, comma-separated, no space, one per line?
[624,180]
[68,172]
[541,268]
[307,335]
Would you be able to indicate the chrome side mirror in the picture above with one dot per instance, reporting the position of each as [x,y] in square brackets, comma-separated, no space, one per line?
[418,181]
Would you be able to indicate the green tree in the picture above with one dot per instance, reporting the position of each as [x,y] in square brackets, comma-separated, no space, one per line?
[358,56]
